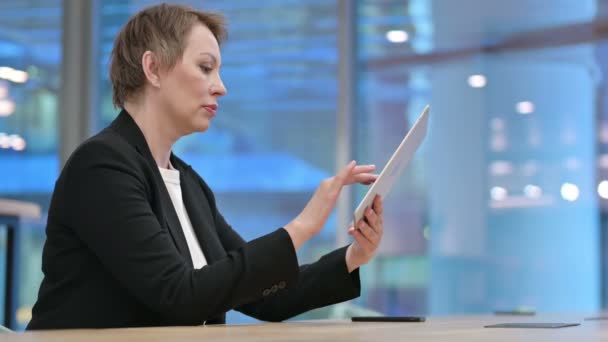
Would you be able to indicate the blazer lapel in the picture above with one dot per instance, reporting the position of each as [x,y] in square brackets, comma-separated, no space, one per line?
[201,216]
[129,130]
[175,228]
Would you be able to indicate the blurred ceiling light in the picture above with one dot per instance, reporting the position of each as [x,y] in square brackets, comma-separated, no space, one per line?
[498,193]
[524,107]
[477,81]
[5,142]
[7,107]
[533,191]
[17,143]
[501,168]
[569,192]
[13,75]
[497,124]
[19,76]
[602,189]
[397,36]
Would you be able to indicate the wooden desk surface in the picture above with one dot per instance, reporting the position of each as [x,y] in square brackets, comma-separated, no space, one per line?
[462,328]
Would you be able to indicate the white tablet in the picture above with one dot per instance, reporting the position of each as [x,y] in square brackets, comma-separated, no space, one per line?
[395,166]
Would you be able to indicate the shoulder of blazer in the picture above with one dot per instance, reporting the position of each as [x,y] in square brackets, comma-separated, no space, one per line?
[114,149]
[104,147]
[99,149]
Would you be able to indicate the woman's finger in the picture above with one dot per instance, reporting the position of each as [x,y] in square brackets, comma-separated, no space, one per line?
[367,246]
[373,219]
[378,205]
[364,169]
[368,232]
[364,178]
[343,176]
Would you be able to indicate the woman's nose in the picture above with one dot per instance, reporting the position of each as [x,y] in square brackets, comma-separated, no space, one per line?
[219,89]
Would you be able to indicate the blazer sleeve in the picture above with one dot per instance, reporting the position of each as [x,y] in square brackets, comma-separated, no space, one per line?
[106,203]
[319,284]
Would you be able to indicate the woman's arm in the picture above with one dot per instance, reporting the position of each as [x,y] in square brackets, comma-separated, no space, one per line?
[319,284]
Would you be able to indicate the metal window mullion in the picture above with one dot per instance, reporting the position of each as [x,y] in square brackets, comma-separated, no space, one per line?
[347,87]
[78,68]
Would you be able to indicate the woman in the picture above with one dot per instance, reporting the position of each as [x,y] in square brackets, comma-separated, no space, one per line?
[134,236]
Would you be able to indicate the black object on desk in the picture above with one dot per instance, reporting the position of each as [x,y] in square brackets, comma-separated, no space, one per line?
[388,319]
[515,313]
[532,325]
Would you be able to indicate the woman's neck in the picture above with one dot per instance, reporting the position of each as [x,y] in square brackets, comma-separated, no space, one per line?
[156,131]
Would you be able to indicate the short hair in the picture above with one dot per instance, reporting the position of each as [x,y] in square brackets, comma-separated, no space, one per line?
[162,29]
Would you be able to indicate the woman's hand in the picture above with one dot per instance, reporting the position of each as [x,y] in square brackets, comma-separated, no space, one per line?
[367,234]
[310,221]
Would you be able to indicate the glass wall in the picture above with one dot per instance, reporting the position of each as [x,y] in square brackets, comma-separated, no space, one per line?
[30,62]
[499,210]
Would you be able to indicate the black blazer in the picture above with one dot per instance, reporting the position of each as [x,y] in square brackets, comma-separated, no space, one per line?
[115,254]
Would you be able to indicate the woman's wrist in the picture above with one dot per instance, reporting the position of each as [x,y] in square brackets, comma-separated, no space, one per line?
[351,261]
[296,233]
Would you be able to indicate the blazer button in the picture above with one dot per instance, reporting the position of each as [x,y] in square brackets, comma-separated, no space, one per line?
[274,288]
[266,292]
[282,285]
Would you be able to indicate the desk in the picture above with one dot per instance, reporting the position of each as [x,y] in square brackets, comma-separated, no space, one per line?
[11,212]
[462,328]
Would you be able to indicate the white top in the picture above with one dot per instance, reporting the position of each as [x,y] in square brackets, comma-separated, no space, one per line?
[171,178]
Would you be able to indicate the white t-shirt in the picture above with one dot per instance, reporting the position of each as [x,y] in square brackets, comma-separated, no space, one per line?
[171,178]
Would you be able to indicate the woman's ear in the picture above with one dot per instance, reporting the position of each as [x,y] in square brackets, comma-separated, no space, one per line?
[151,67]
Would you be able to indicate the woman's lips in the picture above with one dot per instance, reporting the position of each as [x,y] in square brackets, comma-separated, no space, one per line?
[212,109]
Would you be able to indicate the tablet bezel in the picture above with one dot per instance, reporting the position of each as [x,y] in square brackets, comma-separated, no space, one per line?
[400,158]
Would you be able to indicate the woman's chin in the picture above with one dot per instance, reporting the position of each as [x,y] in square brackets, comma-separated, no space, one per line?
[201,125]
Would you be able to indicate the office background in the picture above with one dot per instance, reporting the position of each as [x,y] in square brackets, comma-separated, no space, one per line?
[505,205]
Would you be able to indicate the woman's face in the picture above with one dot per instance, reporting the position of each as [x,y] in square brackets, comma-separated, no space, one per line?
[190,90]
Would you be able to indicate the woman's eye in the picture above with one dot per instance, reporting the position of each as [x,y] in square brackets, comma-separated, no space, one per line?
[206,69]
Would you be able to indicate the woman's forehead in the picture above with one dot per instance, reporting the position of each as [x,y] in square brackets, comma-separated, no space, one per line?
[200,37]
